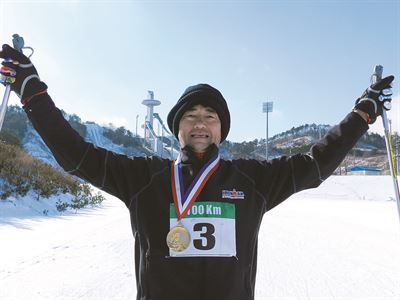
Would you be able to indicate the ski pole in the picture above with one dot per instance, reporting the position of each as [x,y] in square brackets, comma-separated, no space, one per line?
[18,43]
[377,75]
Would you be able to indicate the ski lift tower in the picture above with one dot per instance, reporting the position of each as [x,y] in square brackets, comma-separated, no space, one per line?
[150,103]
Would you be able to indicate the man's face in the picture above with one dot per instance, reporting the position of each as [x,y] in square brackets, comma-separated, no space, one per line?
[199,127]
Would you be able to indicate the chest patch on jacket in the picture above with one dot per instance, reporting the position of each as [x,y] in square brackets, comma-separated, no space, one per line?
[233,194]
[212,229]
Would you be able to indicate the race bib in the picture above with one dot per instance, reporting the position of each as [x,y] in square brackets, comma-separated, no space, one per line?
[212,229]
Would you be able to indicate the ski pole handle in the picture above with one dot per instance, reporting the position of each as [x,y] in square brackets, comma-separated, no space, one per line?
[377,75]
[18,44]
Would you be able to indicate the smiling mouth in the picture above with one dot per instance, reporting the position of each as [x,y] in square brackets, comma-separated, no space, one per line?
[199,135]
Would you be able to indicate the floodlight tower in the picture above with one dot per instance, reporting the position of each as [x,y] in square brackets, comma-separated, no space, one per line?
[267,108]
[150,103]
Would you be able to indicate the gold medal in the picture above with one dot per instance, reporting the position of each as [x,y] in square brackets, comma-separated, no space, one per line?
[178,238]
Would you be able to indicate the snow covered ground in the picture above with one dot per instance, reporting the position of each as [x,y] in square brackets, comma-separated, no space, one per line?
[340,241]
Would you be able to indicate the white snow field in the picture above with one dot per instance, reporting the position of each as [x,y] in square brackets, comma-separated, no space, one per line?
[340,241]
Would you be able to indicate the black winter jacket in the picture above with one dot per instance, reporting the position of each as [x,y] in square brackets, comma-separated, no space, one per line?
[225,219]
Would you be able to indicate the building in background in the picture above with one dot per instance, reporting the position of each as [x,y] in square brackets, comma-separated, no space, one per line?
[364,170]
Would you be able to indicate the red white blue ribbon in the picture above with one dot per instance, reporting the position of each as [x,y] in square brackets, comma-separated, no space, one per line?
[184,200]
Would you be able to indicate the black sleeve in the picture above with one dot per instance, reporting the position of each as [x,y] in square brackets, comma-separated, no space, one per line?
[114,173]
[279,178]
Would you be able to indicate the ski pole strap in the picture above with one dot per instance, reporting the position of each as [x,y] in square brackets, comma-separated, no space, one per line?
[363,115]
[25,82]
[27,99]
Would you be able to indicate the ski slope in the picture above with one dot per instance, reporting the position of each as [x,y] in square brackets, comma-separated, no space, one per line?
[340,241]
[95,135]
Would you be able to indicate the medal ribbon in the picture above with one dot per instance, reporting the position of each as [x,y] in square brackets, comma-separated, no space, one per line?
[184,200]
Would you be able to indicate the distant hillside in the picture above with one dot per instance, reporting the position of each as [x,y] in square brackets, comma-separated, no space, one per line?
[306,135]
[17,129]
[370,150]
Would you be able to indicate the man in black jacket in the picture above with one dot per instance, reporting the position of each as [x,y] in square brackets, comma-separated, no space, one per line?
[196,219]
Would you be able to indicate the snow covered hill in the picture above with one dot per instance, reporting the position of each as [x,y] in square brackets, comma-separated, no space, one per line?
[340,241]
[94,134]
[35,146]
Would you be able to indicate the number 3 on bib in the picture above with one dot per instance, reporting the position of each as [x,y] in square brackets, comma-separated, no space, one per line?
[212,228]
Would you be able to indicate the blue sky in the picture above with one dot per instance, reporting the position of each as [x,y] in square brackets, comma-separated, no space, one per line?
[311,58]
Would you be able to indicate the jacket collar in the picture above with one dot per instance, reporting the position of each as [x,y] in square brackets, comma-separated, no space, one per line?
[190,157]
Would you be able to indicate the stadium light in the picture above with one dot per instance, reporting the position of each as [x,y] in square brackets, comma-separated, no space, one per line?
[267,108]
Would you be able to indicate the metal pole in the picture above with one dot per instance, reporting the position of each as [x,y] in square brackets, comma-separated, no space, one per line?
[377,75]
[267,108]
[397,152]
[4,105]
[137,116]
[391,160]
[266,141]
[162,141]
[18,44]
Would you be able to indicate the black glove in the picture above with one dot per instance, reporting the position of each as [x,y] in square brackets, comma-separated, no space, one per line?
[376,98]
[19,72]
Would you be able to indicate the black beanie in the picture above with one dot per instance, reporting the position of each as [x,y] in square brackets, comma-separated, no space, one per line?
[205,95]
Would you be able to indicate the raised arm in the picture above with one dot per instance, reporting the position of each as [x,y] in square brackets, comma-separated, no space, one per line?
[279,178]
[114,173]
